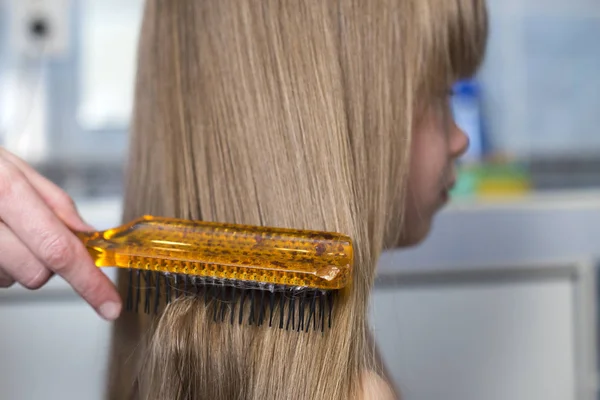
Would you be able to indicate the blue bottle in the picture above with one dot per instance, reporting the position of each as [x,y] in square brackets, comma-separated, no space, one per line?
[466,107]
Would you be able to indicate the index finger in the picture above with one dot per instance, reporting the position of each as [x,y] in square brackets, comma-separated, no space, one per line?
[32,221]
[56,199]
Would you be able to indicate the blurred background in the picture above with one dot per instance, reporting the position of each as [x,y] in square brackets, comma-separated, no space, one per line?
[499,303]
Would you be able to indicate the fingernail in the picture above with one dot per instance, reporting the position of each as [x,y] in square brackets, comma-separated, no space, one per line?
[110,310]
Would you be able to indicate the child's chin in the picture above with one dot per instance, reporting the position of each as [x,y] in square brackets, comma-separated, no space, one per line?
[416,235]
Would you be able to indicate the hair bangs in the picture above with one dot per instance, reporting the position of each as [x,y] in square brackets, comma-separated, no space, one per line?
[453,41]
[467,38]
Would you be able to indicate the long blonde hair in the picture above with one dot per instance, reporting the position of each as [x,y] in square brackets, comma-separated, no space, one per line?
[279,113]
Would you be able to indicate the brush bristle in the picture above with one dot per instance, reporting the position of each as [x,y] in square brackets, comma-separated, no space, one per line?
[290,308]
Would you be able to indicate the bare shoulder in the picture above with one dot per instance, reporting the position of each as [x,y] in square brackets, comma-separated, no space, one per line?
[374,387]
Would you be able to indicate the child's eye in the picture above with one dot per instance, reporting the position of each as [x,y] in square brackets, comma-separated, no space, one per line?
[447,112]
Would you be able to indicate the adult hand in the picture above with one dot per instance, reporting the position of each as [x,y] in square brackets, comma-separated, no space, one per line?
[36,218]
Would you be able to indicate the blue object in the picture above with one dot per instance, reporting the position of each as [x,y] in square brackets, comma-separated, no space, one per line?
[466,107]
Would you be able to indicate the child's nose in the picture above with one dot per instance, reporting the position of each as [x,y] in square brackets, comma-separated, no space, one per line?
[459,142]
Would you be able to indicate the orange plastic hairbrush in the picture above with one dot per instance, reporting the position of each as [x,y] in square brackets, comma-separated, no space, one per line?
[285,274]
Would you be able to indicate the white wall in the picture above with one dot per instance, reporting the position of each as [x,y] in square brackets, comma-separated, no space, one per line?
[540,78]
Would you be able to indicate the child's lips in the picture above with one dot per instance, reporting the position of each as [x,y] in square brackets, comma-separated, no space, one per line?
[445,195]
[451,185]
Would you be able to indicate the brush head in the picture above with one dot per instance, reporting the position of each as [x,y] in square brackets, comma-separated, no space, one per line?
[286,307]
[295,271]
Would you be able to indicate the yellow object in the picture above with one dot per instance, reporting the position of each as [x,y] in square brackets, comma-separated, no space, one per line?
[320,260]
[503,187]
[493,179]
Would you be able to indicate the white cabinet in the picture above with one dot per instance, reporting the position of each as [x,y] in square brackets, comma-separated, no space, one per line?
[496,303]
[504,336]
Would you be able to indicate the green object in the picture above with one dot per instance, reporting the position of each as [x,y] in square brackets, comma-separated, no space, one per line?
[495,179]
[466,184]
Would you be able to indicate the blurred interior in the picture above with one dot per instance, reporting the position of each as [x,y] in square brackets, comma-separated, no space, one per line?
[499,303]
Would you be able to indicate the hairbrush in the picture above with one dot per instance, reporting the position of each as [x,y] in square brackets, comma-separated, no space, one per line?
[288,276]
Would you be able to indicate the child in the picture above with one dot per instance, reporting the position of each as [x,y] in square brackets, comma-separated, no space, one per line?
[312,114]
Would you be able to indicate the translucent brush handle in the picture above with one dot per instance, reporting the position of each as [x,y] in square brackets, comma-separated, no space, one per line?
[278,256]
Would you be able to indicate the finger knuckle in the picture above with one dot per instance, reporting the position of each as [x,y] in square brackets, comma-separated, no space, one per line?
[64,199]
[56,252]
[92,289]
[6,283]
[9,176]
[37,280]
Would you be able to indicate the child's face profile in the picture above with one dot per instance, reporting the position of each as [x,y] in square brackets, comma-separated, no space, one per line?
[437,143]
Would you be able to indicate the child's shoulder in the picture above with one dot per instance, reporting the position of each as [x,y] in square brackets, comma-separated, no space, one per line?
[374,387]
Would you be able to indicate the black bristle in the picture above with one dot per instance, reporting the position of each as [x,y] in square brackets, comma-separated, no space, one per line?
[261,313]
[167,289]
[311,312]
[301,312]
[206,290]
[223,303]
[321,305]
[215,305]
[314,311]
[291,313]
[272,304]
[252,306]
[232,304]
[242,300]
[137,287]
[157,291]
[289,318]
[330,301]
[281,309]
[322,311]
[129,301]
[148,277]
[305,307]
